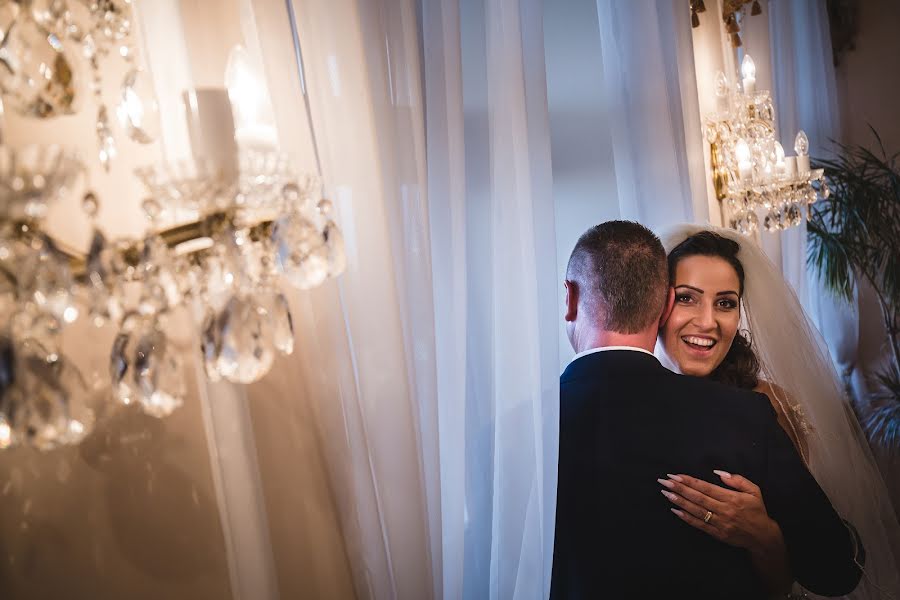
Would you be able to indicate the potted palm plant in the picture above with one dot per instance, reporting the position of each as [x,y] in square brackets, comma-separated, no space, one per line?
[854,235]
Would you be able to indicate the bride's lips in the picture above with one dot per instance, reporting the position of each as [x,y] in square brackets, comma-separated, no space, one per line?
[699,345]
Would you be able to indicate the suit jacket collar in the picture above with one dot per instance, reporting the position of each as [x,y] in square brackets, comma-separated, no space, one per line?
[610,361]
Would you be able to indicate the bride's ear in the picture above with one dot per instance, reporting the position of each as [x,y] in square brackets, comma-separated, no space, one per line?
[667,308]
[571,300]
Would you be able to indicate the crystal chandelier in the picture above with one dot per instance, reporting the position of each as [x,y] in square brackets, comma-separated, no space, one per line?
[752,176]
[231,229]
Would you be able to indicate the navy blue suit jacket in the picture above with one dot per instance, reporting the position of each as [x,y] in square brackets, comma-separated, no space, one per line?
[625,421]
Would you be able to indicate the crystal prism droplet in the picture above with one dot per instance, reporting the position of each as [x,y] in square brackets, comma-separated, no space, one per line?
[51,15]
[301,253]
[238,341]
[793,216]
[334,242]
[112,19]
[282,324]
[106,142]
[752,222]
[145,369]
[44,403]
[36,75]
[138,109]
[90,205]
[103,304]
[44,277]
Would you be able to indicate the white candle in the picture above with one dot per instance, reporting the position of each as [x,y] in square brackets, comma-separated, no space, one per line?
[257,137]
[211,129]
[745,169]
[790,166]
[801,146]
[749,85]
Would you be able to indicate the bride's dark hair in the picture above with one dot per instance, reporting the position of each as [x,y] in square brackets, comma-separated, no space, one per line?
[740,367]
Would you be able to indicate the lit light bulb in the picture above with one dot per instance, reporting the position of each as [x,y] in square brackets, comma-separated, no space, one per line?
[801,144]
[742,154]
[721,85]
[253,120]
[742,150]
[748,67]
[5,434]
[748,70]
[244,90]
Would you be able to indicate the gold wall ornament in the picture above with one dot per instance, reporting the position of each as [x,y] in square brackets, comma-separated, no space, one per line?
[732,12]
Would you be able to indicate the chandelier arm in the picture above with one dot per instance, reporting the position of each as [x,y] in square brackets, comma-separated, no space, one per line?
[172,236]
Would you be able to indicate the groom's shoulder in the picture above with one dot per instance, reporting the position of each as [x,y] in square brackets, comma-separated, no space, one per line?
[735,398]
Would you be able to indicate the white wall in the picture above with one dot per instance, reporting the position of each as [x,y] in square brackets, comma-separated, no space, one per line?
[868,78]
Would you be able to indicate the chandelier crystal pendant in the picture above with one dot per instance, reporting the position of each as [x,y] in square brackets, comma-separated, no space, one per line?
[752,177]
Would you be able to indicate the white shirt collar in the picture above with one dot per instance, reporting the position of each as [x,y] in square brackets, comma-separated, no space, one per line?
[605,348]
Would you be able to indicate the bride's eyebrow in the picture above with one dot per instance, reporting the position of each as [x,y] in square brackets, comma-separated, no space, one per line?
[727,293]
[690,287]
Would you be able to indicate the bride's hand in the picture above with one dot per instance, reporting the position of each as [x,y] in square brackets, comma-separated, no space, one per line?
[737,517]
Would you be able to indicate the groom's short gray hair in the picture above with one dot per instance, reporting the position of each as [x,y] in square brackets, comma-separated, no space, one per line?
[622,276]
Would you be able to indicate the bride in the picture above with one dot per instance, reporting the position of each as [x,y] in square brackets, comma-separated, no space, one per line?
[722,280]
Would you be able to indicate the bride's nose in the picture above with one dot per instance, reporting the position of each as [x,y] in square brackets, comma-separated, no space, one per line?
[704,318]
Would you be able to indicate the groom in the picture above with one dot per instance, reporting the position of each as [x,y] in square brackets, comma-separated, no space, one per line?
[626,421]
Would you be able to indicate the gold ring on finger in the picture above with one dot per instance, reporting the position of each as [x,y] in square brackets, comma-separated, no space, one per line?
[708,516]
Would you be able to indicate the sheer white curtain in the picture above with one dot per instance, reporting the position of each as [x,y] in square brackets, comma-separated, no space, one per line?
[494,259]
[346,427]
[648,66]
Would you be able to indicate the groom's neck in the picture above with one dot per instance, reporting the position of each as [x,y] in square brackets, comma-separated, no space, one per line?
[602,338]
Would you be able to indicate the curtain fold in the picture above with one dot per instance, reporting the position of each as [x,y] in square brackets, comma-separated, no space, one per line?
[494,260]
[350,461]
[648,67]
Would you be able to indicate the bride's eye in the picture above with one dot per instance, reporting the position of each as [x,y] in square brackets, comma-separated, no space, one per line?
[727,303]
[683,298]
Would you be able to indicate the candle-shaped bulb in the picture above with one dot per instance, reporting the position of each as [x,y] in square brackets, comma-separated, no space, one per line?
[742,151]
[244,90]
[801,144]
[748,68]
[721,85]
[253,115]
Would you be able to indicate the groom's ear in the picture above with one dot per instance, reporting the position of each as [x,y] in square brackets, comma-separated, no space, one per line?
[667,309]
[571,300]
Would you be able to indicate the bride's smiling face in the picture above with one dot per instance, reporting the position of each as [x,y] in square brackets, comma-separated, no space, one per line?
[706,315]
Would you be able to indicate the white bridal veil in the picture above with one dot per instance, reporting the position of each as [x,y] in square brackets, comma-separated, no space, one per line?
[794,356]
